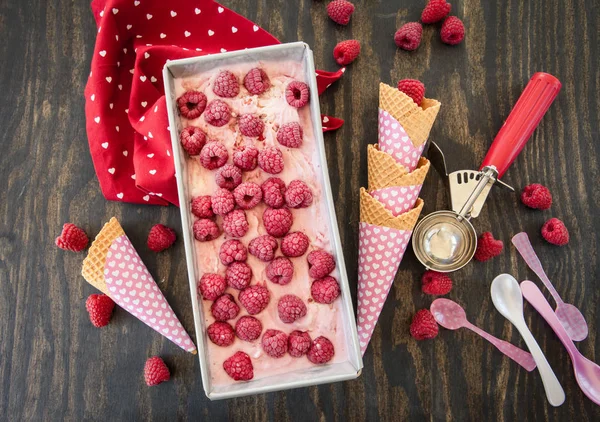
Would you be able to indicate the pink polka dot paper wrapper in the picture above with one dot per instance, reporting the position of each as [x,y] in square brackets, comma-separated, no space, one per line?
[394,140]
[398,199]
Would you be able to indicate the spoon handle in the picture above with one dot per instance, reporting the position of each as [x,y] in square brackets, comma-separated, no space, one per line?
[520,356]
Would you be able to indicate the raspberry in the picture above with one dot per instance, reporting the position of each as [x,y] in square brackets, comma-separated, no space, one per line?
[248,328]
[100,308]
[408,37]
[274,343]
[205,230]
[453,31]
[224,308]
[254,299]
[299,343]
[220,333]
[290,135]
[263,247]
[277,221]
[246,158]
[235,223]
[251,125]
[297,94]
[256,81]
[435,11]
[280,270]
[321,350]
[294,244]
[325,290]
[273,190]
[434,283]
[536,196]
[211,286]
[160,238]
[413,88]
[228,176]
[222,201]
[72,238]
[423,325]
[290,308]
[192,140]
[239,367]
[213,155]
[202,207]
[217,113]
[555,232]
[226,85]
[191,104]
[238,275]
[247,195]
[340,11]
[232,250]
[320,263]
[346,52]
[270,160]
[298,195]
[155,371]
[487,247]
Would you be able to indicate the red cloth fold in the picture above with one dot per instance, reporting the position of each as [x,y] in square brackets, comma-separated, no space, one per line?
[127,124]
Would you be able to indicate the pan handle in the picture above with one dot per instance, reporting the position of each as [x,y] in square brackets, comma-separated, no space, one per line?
[538,95]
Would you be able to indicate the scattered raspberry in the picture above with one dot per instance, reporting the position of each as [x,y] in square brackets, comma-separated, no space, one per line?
[274,343]
[205,230]
[434,283]
[155,371]
[298,195]
[224,308]
[290,135]
[160,238]
[72,238]
[217,113]
[290,308]
[280,270]
[413,88]
[435,11]
[211,286]
[238,275]
[246,157]
[220,333]
[235,223]
[192,140]
[232,250]
[247,195]
[202,207]
[226,85]
[270,160]
[256,81]
[555,232]
[423,325]
[213,155]
[321,350]
[254,299]
[228,176]
[273,190]
[248,328]
[536,196]
[222,201]
[263,247]
[299,343]
[277,221]
[294,244]
[191,104]
[251,125]
[325,290]
[340,11]
[320,263]
[453,31]
[346,52]
[239,367]
[408,37]
[100,308]
[488,247]
[297,94]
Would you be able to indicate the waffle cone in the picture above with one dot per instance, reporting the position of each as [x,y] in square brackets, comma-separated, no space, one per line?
[373,212]
[382,169]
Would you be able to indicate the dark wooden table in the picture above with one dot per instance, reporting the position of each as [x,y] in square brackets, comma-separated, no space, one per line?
[54,365]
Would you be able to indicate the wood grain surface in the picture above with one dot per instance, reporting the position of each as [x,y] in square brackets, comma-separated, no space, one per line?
[55,366]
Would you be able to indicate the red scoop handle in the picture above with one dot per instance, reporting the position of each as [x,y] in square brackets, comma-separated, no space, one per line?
[538,95]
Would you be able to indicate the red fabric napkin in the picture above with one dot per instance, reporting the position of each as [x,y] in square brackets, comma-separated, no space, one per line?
[127,122]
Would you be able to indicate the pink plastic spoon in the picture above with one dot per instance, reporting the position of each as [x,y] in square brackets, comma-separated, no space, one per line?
[568,315]
[452,316]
